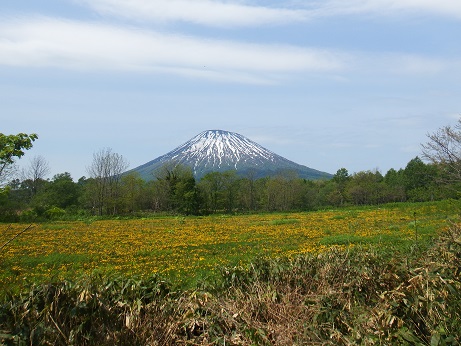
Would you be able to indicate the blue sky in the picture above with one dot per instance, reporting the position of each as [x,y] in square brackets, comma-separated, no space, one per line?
[327,84]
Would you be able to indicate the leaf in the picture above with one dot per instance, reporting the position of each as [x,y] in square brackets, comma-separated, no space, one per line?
[138,305]
[4,336]
[435,340]
[408,336]
[451,289]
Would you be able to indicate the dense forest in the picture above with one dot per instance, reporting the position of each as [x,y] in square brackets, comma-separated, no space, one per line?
[174,190]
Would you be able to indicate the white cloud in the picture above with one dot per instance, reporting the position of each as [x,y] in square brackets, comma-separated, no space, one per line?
[404,65]
[204,12]
[230,13]
[49,42]
[450,8]
[445,7]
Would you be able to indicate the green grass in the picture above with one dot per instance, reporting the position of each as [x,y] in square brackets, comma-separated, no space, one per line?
[58,226]
[53,260]
[350,239]
[273,235]
[284,222]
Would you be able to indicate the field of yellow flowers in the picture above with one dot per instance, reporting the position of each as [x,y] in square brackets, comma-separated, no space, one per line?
[187,247]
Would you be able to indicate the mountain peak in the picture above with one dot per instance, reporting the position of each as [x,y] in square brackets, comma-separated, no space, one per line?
[219,150]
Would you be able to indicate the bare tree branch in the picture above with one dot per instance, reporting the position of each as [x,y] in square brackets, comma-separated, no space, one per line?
[106,170]
[38,168]
[17,235]
[444,150]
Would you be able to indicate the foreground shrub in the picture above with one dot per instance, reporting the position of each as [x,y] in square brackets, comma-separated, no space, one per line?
[93,311]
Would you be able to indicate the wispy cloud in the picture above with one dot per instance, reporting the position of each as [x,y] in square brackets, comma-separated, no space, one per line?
[405,64]
[230,13]
[50,42]
[204,12]
[78,45]
[451,8]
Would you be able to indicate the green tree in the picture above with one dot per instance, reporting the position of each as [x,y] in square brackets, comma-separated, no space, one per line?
[62,191]
[341,176]
[186,196]
[249,191]
[132,190]
[212,187]
[284,192]
[366,187]
[394,186]
[220,191]
[157,195]
[340,179]
[419,180]
[179,183]
[12,147]
[231,183]
[320,193]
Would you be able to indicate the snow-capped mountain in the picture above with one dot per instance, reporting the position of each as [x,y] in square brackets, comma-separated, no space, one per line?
[219,151]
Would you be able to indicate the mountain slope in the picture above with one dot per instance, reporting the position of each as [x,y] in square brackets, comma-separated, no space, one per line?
[219,151]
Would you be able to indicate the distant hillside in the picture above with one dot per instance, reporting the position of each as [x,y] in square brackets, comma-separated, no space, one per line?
[219,151]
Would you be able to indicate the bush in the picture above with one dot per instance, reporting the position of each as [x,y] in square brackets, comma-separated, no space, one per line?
[54,213]
[28,215]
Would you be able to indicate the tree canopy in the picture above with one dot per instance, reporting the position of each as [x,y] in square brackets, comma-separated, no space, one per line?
[13,147]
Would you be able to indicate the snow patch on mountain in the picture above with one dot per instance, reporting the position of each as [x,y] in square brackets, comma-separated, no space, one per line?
[218,150]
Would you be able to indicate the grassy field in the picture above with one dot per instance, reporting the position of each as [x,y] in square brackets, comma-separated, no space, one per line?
[359,276]
[187,250]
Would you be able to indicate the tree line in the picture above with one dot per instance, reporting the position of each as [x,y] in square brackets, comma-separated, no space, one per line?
[173,189]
